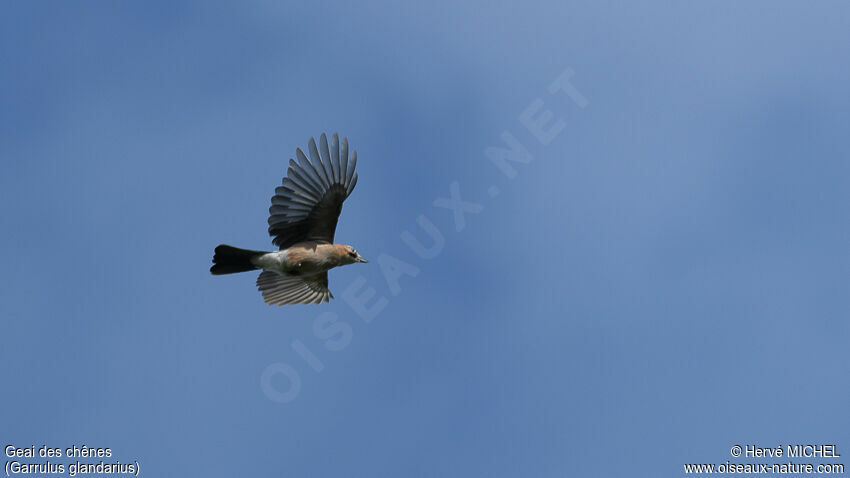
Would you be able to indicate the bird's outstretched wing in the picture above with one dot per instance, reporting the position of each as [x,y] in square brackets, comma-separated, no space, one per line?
[307,206]
[281,290]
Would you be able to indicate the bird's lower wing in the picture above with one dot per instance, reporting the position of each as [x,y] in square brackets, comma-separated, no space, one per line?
[279,289]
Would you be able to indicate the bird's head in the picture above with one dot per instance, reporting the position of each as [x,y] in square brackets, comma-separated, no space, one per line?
[351,256]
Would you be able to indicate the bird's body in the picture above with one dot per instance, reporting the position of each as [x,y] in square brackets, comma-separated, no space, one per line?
[302,220]
[304,259]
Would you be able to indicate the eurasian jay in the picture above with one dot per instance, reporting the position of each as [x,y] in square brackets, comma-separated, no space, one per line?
[302,221]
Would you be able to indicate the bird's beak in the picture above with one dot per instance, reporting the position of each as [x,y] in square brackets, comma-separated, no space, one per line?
[361,259]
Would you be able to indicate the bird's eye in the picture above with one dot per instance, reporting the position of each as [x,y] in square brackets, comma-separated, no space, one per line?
[352,253]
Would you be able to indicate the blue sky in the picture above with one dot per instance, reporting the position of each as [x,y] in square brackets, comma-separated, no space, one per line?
[666,278]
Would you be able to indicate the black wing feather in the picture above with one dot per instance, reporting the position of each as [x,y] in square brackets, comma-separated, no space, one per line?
[307,206]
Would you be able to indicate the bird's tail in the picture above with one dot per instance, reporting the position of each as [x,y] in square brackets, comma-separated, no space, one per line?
[230,260]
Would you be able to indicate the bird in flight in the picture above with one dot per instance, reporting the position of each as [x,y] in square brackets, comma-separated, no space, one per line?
[302,221]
